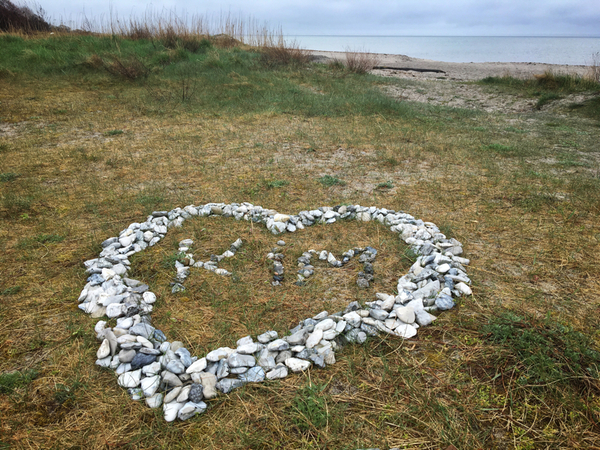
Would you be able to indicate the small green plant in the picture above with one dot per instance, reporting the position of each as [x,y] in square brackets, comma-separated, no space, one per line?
[546,98]
[409,256]
[11,290]
[498,148]
[310,410]
[8,176]
[14,380]
[386,185]
[67,394]
[276,184]
[329,181]
[113,132]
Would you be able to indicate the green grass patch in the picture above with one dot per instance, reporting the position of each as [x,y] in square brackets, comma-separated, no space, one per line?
[114,132]
[11,290]
[9,382]
[40,239]
[8,176]
[329,181]
[545,351]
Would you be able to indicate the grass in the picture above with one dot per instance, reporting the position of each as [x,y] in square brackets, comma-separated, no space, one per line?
[514,366]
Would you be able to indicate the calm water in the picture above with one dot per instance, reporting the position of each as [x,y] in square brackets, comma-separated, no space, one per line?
[552,50]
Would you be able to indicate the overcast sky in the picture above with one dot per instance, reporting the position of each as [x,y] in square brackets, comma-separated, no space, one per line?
[370,17]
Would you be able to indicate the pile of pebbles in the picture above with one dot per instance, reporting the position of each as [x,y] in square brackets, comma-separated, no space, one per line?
[165,374]
[183,267]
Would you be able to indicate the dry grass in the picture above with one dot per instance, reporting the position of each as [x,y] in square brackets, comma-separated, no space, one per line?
[360,62]
[594,73]
[528,223]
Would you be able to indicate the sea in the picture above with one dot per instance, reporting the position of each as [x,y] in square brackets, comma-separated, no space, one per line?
[550,50]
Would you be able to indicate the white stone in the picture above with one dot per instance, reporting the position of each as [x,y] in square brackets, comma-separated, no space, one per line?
[155,401]
[297,365]
[406,331]
[171,410]
[353,319]
[313,339]
[209,383]
[325,325]
[115,310]
[104,349]
[198,366]
[150,385]
[149,297]
[219,354]
[443,268]
[405,313]
[280,371]
[281,218]
[463,288]
[130,379]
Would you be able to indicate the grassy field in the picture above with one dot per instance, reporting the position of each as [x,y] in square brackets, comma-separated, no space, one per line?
[98,131]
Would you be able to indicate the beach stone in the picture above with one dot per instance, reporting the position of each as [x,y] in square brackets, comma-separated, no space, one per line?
[130,379]
[226,385]
[197,366]
[267,337]
[190,409]
[278,345]
[126,356]
[155,401]
[209,383]
[196,393]
[176,367]
[314,338]
[279,371]
[219,354]
[463,288]
[378,314]
[237,360]
[150,385]
[253,375]
[297,365]
[298,338]
[170,379]
[104,350]
[171,410]
[172,395]
[405,313]
[406,331]
[444,302]
[184,356]
[141,360]
[152,369]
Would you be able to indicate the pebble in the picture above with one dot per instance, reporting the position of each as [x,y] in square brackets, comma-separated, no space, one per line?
[166,373]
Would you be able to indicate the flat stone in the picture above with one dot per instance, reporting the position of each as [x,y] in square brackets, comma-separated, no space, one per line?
[171,379]
[278,345]
[150,385]
[197,366]
[253,375]
[141,360]
[172,395]
[176,367]
[219,354]
[190,409]
[314,338]
[279,371]
[406,331]
[267,337]
[298,338]
[226,385]
[126,356]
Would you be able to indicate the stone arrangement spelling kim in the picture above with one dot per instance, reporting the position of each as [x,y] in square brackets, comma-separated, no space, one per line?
[165,374]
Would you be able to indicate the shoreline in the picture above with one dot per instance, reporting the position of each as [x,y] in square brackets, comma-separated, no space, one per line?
[408,67]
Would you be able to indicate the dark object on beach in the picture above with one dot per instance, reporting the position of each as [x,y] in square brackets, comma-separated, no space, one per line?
[409,68]
[22,18]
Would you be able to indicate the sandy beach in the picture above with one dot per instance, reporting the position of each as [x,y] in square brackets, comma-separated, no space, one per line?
[407,67]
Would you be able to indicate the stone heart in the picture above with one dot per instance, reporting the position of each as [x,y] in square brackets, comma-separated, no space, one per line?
[164,373]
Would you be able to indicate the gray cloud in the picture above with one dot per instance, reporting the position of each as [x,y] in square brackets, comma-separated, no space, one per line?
[376,17]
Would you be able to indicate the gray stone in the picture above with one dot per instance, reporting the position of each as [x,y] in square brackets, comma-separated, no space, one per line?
[141,360]
[142,329]
[280,371]
[170,379]
[196,393]
[190,409]
[298,338]
[226,385]
[253,375]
